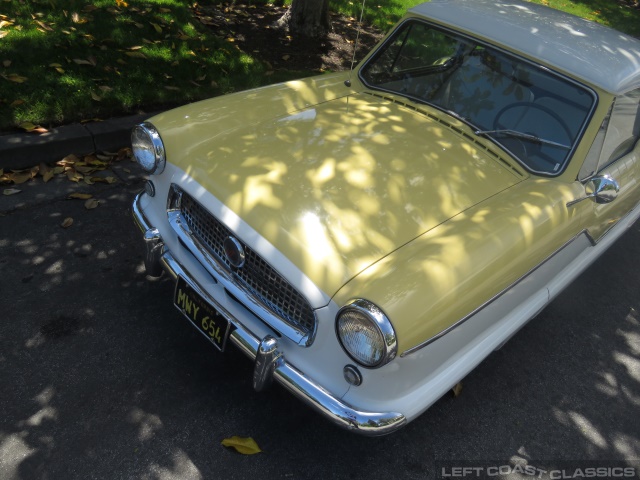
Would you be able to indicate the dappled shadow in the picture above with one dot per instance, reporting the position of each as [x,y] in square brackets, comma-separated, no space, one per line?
[108,380]
[252,28]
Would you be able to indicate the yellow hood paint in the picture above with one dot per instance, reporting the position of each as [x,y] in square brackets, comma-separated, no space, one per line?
[335,186]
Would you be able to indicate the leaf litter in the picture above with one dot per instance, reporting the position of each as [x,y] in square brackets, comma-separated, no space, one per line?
[76,169]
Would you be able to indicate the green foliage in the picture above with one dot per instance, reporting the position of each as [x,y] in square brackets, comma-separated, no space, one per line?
[71,60]
[68,60]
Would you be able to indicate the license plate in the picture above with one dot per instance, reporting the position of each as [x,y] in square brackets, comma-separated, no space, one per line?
[201,313]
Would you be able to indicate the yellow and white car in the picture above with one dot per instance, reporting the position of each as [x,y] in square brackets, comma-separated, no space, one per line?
[368,238]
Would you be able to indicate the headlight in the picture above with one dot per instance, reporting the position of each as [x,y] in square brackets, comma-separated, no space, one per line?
[148,148]
[366,334]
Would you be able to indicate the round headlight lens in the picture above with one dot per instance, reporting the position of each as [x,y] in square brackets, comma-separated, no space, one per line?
[366,334]
[148,148]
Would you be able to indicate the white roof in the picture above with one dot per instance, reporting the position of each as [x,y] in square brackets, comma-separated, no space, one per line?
[586,50]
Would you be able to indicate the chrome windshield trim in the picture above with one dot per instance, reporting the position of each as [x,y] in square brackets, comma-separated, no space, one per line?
[479,41]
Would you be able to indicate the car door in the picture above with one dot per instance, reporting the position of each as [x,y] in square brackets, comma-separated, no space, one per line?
[618,167]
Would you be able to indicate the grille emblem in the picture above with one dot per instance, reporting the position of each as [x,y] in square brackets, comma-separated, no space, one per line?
[234,252]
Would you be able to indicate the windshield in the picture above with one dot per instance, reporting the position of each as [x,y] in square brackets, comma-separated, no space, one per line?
[530,111]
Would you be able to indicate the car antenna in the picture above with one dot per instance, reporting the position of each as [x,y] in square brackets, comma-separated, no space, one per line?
[347,82]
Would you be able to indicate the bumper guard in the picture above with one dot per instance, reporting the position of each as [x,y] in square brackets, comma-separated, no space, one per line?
[269,363]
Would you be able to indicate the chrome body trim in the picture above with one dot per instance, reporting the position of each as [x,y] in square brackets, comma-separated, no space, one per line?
[267,358]
[158,148]
[494,298]
[228,277]
[606,238]
[383,324]
[498,47]
[255,305]
[274,364]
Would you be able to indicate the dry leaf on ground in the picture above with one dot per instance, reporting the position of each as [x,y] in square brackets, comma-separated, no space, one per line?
[243,445]
[67,222]
[457,390]
[81,196]
[11,191]
[91,204]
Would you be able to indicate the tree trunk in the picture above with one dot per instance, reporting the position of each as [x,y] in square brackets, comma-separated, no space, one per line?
[309,18]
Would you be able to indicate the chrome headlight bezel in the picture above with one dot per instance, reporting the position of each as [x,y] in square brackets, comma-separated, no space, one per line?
[148,148]
[376,322]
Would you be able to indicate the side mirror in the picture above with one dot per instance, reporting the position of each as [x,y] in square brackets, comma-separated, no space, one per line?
[602,189]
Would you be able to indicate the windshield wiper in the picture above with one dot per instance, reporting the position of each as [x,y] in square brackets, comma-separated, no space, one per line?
[522,135]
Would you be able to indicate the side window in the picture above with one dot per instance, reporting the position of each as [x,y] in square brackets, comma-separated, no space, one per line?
[623,130]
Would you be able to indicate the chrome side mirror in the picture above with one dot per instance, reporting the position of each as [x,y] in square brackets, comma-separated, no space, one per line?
[602,189]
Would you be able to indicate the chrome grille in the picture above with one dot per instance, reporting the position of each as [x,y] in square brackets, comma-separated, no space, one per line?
[256,276]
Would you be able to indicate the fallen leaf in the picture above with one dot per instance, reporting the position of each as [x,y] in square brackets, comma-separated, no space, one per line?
[124,152]
[286,57]
[81,196]
[111,179]
[28,126]
[14,77]
[15,103]
[105,88]
[20,177]
[81,61]
[74,176]
[95,96]
[31,128]
[67,222]
[48,175]
[88,181]
[122,4]
[69,160]
[11,191]
[457,390]
[91,204]
[43,168]
[172,88]
[44,25]
[137,47]
[76,18]
[156,27]
[243,445]
[3,33]
[136,54]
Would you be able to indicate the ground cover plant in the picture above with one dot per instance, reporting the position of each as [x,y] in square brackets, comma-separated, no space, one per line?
[64,61]
[71,60]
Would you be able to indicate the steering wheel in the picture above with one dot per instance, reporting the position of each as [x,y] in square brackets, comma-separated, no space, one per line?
[529,150]
[534,106]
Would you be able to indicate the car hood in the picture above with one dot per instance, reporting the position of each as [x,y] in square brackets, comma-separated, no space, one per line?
[339,185]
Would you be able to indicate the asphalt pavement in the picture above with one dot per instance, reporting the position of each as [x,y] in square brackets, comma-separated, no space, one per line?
[103,379]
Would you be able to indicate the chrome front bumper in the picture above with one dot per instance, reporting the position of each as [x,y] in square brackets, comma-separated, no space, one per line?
[269,363]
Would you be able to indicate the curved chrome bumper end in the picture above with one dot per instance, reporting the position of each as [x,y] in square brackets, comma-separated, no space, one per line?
[269,363]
